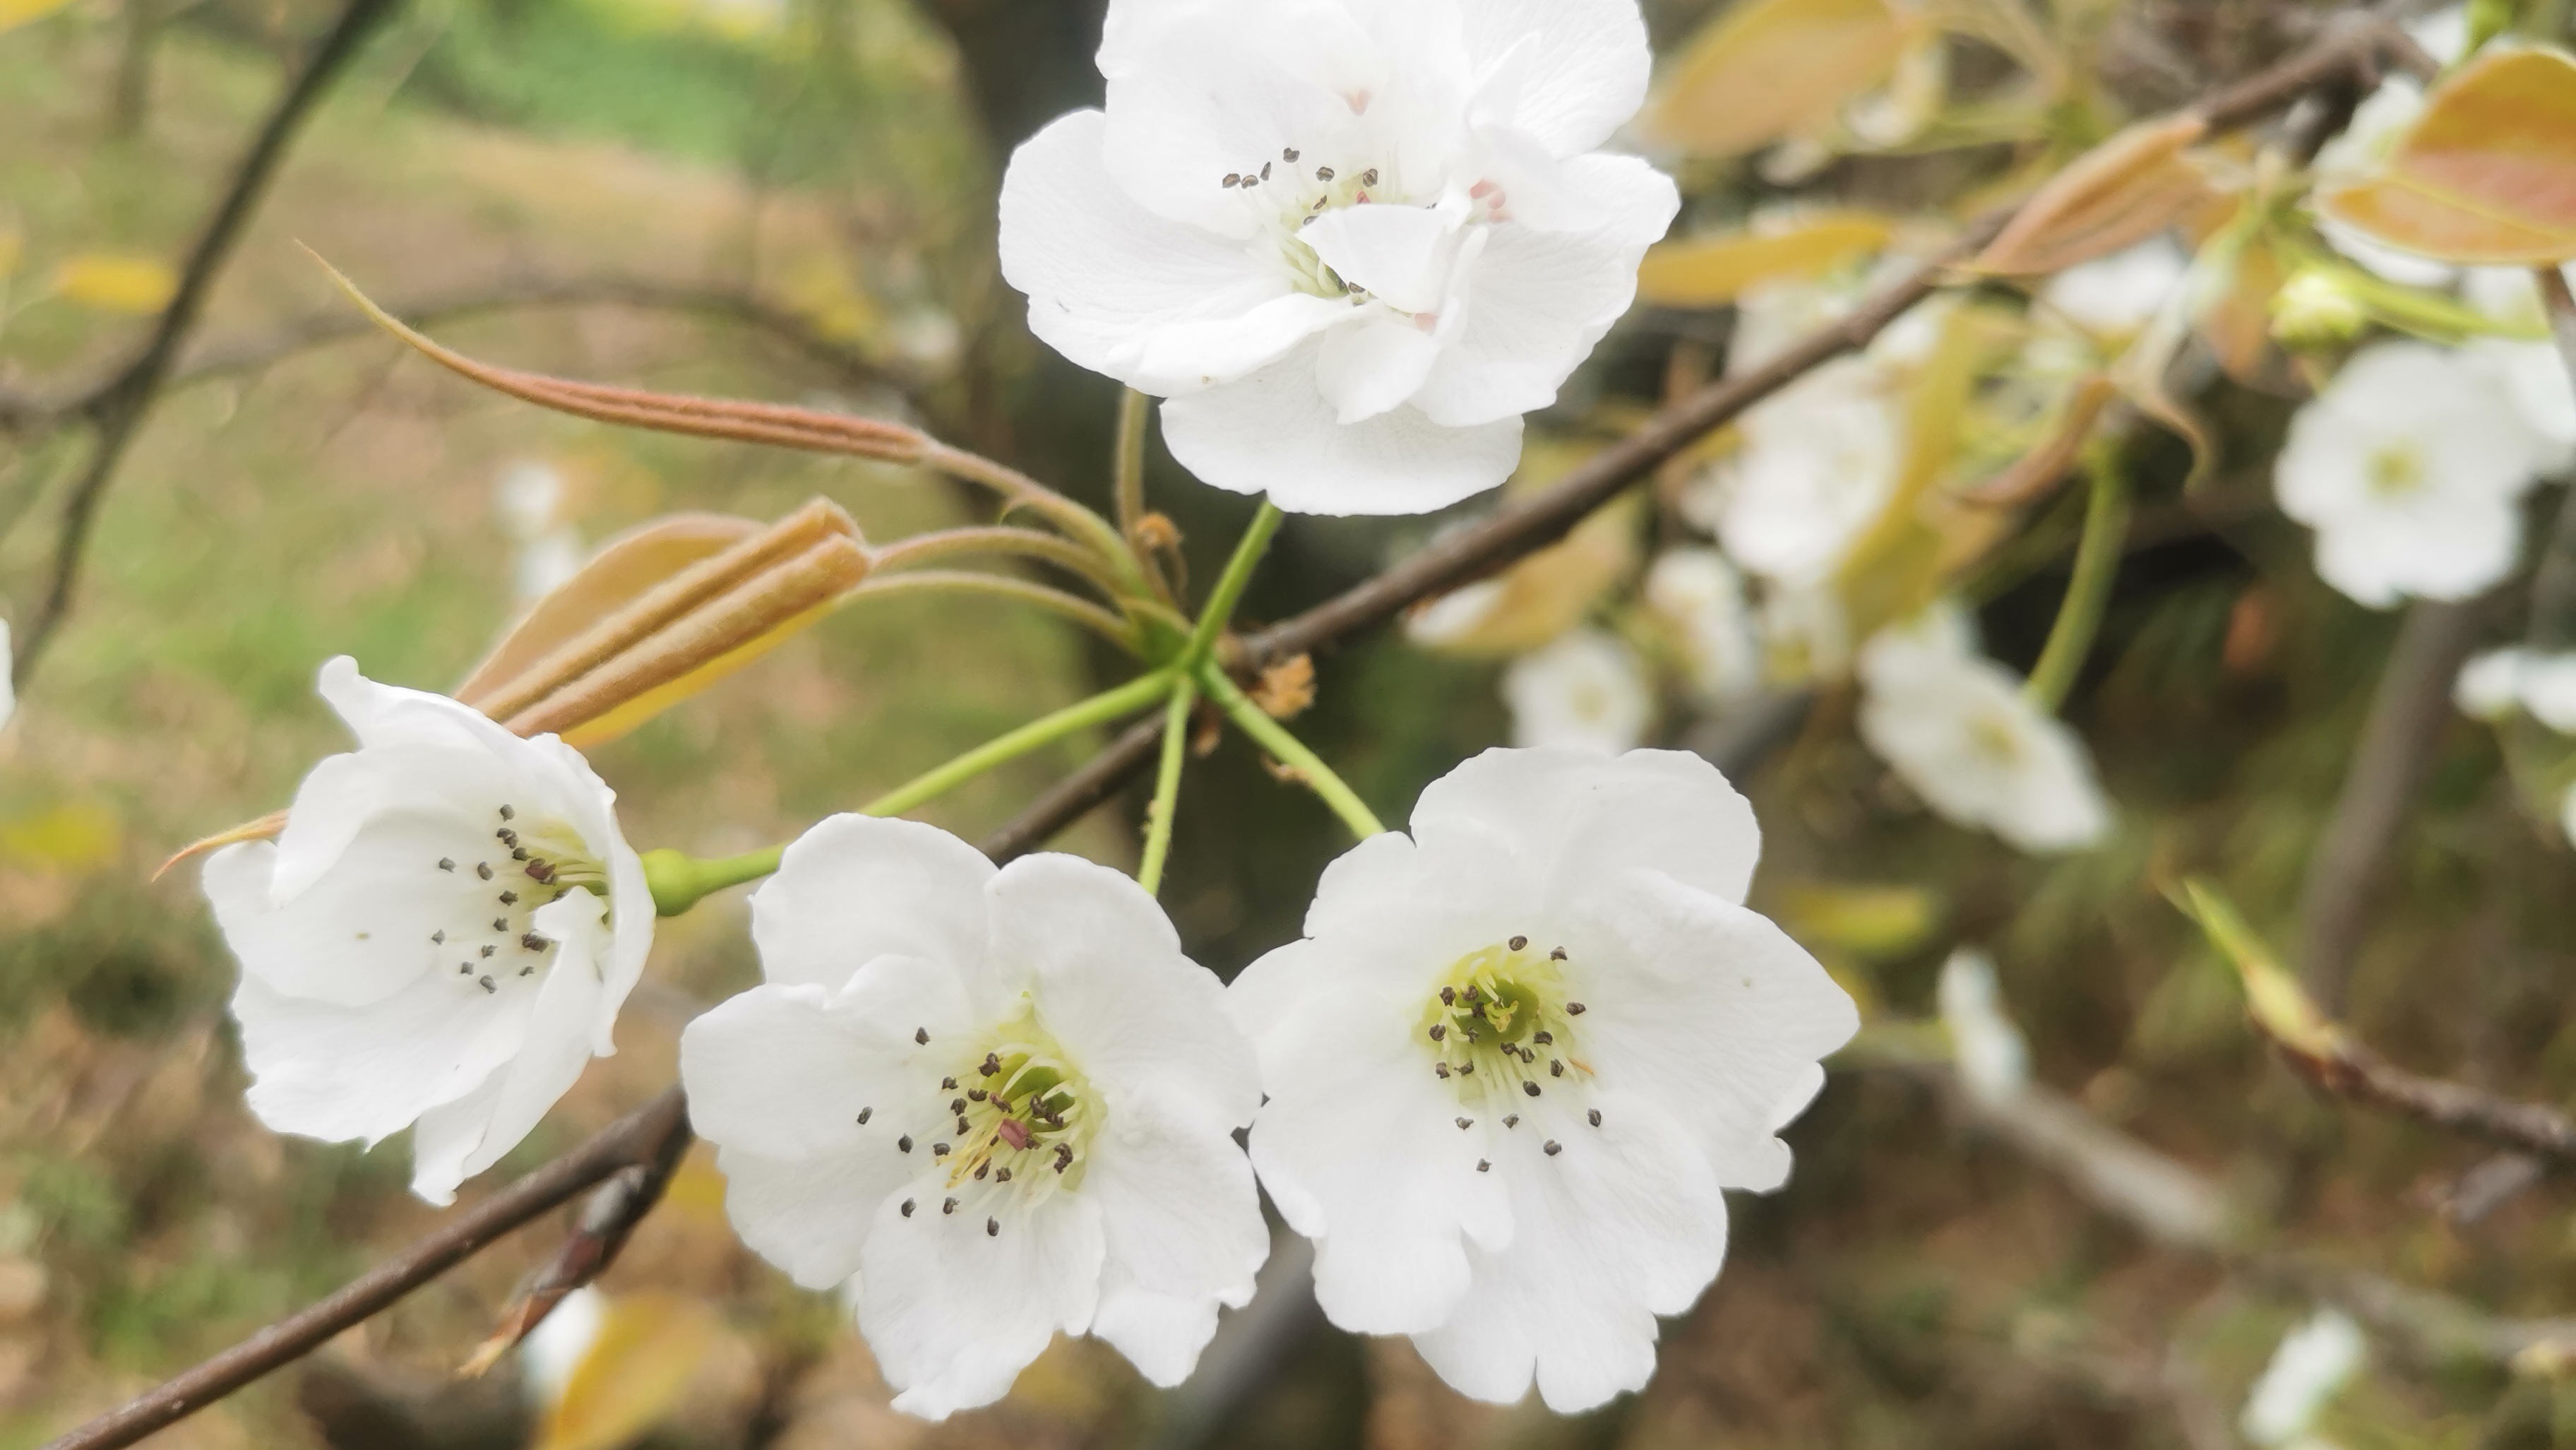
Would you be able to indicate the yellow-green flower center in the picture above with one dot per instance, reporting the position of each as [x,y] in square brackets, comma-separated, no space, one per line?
[1502,1022]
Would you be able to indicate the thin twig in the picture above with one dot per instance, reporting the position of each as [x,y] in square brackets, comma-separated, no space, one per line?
[117,410]
[639,1137]
[2389,765]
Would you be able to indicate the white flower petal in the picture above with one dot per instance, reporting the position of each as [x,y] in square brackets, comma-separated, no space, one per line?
[1273,432]
[954,1314]
[784,1071]
[1157,304]
[1373,366]
[1402,254]
[1540,300]
[855,888]
[1578,68]
[324,1071]
[570,1013]
[1959,730]
[1612,1230]
[1182,1231]
[1586,819]
[808,1215]
[1682,981]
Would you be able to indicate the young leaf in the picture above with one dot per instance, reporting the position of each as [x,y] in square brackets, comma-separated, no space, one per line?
[1769,68]
[1713,271]
[2488,174]
[108,283]
[2121,192]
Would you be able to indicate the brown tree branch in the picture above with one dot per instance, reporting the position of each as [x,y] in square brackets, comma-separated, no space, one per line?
[2407,715]
[638,1138]
[1457,559]
[2348,1069]
[117,409]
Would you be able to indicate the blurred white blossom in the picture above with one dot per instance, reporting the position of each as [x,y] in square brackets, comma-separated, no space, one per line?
[2533,370]
[1701,597]
[554,1350]
[2495,684]
[995,1103]
[1352,264]
[2314,1363]
[1455,615]
[1518,1056]
[1960,731]
[440,938]
[2117,295]
[1816,464]
[1586,691]
[529,498]
[2411,467]
[1989,1053]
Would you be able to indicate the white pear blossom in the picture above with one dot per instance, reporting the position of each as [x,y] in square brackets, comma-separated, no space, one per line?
[528,497]
[1519,1053]
[1350,242]
[1989,1053]
[1456,615]
[1585,691]
[439,938]
[2498,682]
[1957,728]
[2117,295]
[2410,466]
[2312,1365]
[1817,463]
[2533,370]
[1701,597]
[994,1103]
[552,1353]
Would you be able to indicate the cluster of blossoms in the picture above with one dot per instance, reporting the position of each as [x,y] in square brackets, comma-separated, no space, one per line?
[990,1104]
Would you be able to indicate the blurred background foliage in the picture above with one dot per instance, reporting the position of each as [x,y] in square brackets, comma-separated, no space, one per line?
[1917,1284]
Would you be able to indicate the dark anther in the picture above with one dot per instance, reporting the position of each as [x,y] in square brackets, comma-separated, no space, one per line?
[962,1129]
[1552,1148]
[519,853]
[500,923]
[865,1114]
[446,864]
[486,951]
[1573,1009]
[1323,173]
[1002,1177]
[1518,943]
[1475,996]
[1288,154]
[949,1206]
[1448,996]
[508,814]
[527,971]
[957,1106]
[1543,1038]
[1465,1123]
[1441,1068]
[907,1208]
[904,1143]
[438,938]
[1594,1116]
[1438,1031]
[487,985]
[1265,171]
[465,969]
[1531,1088]
[983,1168]
[1369,177]
[992,1228]
[922,1035]
[506,836]
[947,1082]
[1465,1068]
[978,1094]
[938,1150]
[990,1066]
[1232,179]
[541,873]
[1484,1167]
[509,898]
[1556,954]
[1512,1121]
[483,869]
[1555,1068]
[533,942]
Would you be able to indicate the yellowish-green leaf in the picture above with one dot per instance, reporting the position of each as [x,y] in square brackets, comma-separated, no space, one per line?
[1765,69]
[2121,192]
[2280,1006]
[1545,594]
[1874,923]
[14,13]
[1712,271]
[633,1375]
[2488,174]
[13,250]
[75,836]
[1923,533]
[116,283]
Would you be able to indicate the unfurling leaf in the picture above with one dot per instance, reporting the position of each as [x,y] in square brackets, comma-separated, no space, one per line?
[2120,193]
[116,283]
[2278,1004]
[1766,69]
[1712,271]
[2488,174]
[1875,923]
[634,1374]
